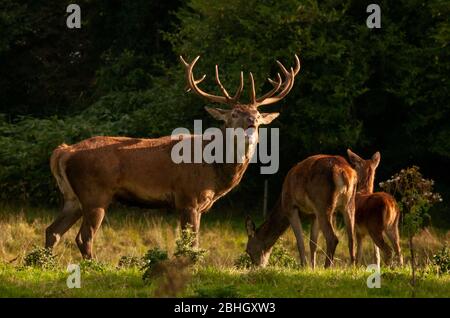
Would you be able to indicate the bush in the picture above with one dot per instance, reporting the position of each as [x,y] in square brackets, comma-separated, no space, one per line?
[279,257]
[130,262]
[150,259]
[441,260]
[184,246]
[92,265]
[40,257]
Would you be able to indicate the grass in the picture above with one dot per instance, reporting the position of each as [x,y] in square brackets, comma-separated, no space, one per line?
[132,232]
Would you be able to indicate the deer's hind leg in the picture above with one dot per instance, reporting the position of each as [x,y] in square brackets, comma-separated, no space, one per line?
[71,212]
[92,219]
[394,236]
[377,237]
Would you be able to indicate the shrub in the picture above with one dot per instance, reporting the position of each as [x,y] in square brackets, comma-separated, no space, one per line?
[40,257]
[92,265]
[279,257]
[130,262]
[184,246]
[441,260]
[150,259]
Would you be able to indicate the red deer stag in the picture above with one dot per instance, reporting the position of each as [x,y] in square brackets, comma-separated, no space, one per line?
[93,172]
[319,186]
[376,213]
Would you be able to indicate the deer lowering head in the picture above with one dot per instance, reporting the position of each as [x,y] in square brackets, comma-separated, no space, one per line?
[365,170]
[244,116]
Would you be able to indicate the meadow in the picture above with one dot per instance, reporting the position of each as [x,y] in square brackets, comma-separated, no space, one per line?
[131,232]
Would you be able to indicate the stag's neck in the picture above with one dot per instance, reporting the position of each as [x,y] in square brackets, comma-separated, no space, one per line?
[274,226]
[230,174]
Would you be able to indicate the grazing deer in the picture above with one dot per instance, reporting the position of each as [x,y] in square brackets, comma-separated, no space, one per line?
[376,213]
[93,172]
[319,186]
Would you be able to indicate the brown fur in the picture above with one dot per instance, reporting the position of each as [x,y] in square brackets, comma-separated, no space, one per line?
[93,172]
[318,186]
[376,213]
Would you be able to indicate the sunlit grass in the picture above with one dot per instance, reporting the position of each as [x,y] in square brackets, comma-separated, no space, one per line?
[132,232]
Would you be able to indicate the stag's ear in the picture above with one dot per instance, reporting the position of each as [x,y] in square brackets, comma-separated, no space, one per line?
[354,158]
[267,118]
[376,159]
[250,226]
[218,113]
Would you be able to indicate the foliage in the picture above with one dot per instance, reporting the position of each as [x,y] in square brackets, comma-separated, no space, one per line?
[131,262]
[442,260]
[185,246]
[121,76]
[92,265]
[150,259]
[414,195]
[243,261]
[279,257]
[40,257]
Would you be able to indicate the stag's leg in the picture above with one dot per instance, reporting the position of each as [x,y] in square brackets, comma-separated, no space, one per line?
[70,214]
[326,225]
[377,237]
[313,241]
[359,247]
[296,224]
[191,218]
[92,219]
[394,236]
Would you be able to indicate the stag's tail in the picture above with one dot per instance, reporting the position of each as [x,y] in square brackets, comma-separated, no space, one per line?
[58,167]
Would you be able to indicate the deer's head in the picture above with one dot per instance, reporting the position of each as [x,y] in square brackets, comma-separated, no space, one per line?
[365,170]
[256,248]
[244,116]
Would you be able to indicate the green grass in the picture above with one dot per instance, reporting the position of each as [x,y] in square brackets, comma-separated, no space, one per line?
[215,282]
[132,232]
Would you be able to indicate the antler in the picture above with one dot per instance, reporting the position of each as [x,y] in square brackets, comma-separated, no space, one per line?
[192,85]
[287,85]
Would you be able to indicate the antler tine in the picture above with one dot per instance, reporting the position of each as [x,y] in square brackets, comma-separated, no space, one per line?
[240,88]
[188,89]
[287,85]
[224,91]
[252,91]
[276,87]
[192,83]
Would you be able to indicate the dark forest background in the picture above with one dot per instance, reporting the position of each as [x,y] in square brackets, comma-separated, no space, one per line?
[369,89]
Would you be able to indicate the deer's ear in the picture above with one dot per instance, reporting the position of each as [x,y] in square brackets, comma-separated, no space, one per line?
[267,118]
[354,158]
[218,113]
[376,159]
[250,226]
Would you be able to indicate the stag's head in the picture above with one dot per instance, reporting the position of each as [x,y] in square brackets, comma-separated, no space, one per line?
[238,115]
[256,248]
[365,170]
